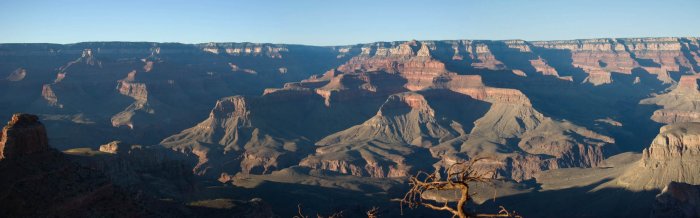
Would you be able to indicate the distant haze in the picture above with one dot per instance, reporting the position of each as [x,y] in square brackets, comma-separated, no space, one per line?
[317,22]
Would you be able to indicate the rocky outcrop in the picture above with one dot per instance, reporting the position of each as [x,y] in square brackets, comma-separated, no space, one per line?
[679,105]
[673,156]
[112,147]
[17,75]
[136,90]
[245,49]
[676,142]
[677,200]
[403,119]
[484,58]
[232,139]
[381,146]
[128,87]
[42,182]
[88,58]
[23,135]
[50,96]
[545,143]
[570,145]
[153,170]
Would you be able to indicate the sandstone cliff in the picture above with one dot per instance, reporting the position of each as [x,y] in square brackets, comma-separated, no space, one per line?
[671,157]
[679,104]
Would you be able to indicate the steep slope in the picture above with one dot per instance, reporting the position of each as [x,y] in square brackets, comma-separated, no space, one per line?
[264,133]
[231,126]
[395,140]
[526,143]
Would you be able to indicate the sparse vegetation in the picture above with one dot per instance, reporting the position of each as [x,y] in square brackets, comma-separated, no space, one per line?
[458,177]
[373,213]
[334,215]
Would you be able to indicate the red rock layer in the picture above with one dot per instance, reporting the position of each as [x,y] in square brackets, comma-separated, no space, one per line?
[600,57]
[48,95]
[23,135]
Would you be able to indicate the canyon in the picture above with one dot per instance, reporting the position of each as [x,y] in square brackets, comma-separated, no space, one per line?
[227,123]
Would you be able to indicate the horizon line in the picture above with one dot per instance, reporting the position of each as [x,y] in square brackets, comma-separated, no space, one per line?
[364,43]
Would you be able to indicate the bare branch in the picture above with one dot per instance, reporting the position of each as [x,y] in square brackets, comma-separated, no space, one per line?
[301,214]
[458,177]
[373,213]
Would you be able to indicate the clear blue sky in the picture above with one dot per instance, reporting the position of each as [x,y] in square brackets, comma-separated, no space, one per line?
[331,22]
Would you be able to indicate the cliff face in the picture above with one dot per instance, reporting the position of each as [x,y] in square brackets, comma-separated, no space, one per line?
[601,57]
[677,142]
[671,157]
[678,105]
[23,135]
[245,49]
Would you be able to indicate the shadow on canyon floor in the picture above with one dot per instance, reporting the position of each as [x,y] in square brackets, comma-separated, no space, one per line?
[582,201]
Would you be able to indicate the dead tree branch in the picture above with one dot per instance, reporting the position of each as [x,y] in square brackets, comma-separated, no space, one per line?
[301,214]
[458,177]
